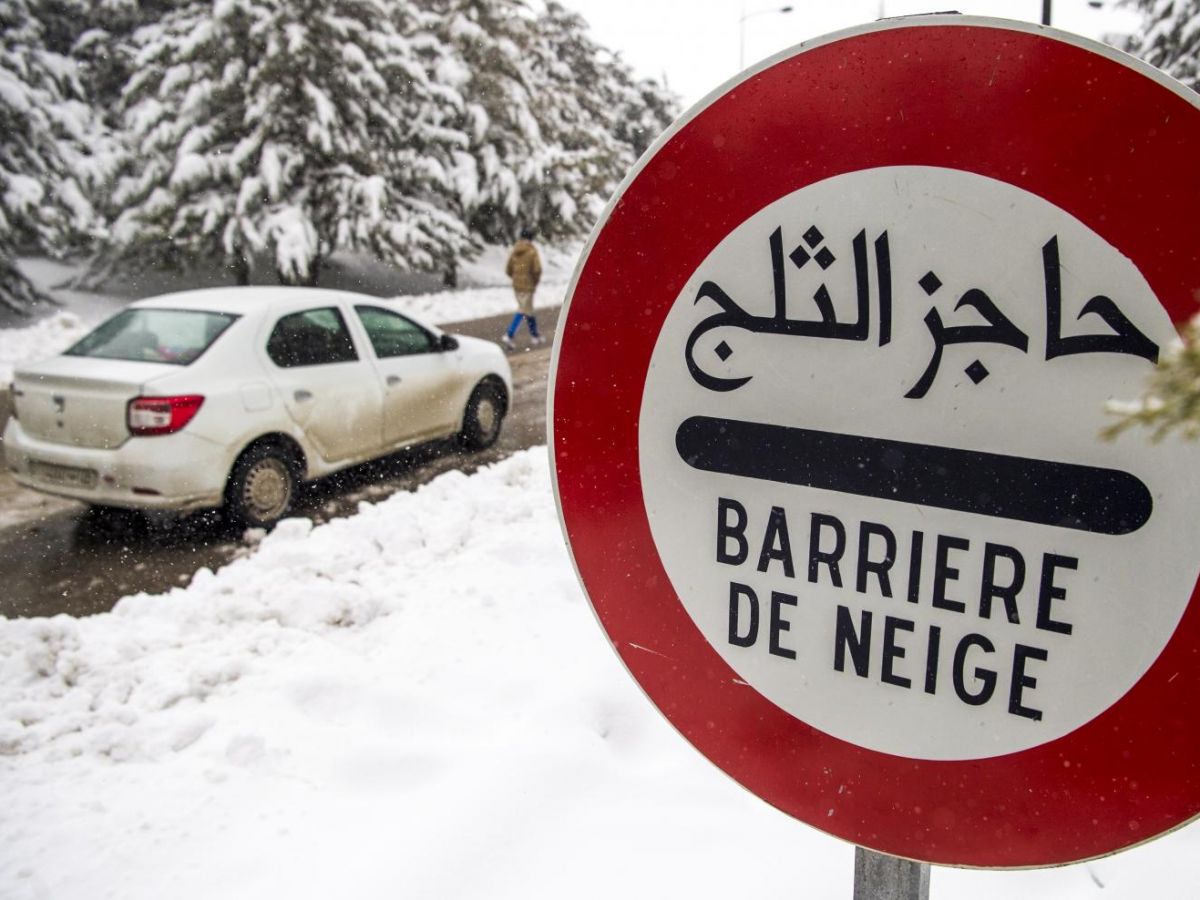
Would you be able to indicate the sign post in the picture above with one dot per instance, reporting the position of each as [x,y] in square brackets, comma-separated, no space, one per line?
[825,422]
[878,876]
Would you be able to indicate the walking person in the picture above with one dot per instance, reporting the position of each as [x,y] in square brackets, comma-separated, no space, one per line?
[524,267]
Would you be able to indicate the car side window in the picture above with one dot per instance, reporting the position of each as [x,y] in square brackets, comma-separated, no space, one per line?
[315,337]
[392,334]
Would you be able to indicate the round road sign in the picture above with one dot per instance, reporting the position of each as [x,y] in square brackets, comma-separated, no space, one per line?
[826,420]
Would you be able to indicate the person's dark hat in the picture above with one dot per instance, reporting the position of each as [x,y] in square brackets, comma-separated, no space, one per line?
[527,233]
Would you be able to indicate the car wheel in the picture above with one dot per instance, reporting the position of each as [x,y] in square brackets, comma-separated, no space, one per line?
[483,417]
[262,486]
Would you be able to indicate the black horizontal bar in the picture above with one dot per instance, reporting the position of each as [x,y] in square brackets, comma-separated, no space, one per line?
[1066,495]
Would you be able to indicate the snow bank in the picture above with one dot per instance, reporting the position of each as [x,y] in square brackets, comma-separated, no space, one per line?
[487,269]
[44,338]
[475,303]
[413,702]
[487,291]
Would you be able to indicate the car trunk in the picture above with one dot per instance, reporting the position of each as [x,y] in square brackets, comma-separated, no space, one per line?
[81,402]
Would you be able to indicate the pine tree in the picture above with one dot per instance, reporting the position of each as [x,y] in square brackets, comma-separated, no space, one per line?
[1170,38]
[645,113]
[413,131]
[632,112]
[46,132]
[99,36]
[581,89]
[290,127]
[555,120]
[600,118]
[484,61]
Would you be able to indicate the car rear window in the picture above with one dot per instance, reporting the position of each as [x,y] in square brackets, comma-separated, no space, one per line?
[174,336]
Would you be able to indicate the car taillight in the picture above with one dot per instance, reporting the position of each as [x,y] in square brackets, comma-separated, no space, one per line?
[148,416]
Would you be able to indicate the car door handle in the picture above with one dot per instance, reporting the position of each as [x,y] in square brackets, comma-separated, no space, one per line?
[394,380]
[302,395]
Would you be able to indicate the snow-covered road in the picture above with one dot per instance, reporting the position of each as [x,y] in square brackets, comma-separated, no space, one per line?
[57,558]
[412,702]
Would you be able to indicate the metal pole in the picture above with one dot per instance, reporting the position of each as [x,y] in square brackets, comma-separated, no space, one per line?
[742,29]
[1045,12]
[878,876]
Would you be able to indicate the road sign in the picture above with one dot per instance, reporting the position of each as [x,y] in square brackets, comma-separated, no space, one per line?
[825,424]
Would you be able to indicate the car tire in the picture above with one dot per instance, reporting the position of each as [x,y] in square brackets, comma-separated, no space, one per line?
[483,417]
[262,486]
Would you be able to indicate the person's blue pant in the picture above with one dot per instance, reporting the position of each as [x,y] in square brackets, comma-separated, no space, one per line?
[516,323]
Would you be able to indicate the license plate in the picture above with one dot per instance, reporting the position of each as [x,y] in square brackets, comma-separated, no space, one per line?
[63,476]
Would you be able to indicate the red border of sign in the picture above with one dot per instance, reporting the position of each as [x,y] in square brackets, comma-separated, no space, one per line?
[1033,108]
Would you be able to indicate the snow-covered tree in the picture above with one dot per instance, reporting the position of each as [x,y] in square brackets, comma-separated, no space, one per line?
[598,119]
[290,127]
[46,135]
[99,35]
[1172,399]
[580,88]
[484,60]
[1170,38]
[554,119]
[600,86]
[645,113]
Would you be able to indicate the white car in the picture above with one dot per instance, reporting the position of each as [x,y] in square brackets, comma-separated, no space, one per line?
[231,396]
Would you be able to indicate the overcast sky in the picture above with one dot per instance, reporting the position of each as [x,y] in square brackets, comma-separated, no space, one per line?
[695,44]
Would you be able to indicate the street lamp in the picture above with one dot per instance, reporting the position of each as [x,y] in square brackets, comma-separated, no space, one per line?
[742,29]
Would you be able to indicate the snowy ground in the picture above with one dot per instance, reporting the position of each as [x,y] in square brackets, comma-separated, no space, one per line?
[44,338]
[413,702]
[485,292]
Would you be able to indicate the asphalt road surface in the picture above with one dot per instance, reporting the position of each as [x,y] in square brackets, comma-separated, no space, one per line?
[67,558]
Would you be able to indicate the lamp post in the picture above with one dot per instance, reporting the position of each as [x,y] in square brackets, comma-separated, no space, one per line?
[1094,4]
[742,29]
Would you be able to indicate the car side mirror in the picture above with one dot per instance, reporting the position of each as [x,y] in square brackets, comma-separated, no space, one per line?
[447,343]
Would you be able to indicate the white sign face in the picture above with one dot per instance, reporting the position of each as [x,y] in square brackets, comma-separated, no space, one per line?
[880,491]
